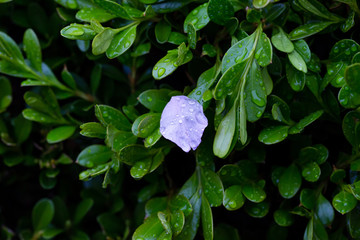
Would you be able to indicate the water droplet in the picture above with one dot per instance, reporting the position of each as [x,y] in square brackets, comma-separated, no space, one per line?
[258,114]
[232,204]
[195,11]
[347,52]
[198,93]
[161,72]
[194,21]
[205,16]
[155,68]
[354,48]
[342,44]
[167,60]
[336,49]
[180,121]
[191,102]
[256,99]
[127,44]
[223,172]
[149,99]
[191,110]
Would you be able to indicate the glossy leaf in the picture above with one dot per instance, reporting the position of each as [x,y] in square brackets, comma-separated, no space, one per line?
[94,155]
[93,129]
[344,50]
[102,41]
[281,41]
[297,61]
[121,42]
[273,134]
[308,198]
[351,128]
[324,210]
[198,17]
[212,186]
[109,115]
[116,139]
[283,218]
[263,52]
[257,210]
[33,49]
[144,125]
[352,74]
[307,30]
[220,11]
[297,128]
[42,214]
[206,219]
[151,229]
[78,31]
[254,192]
[311,172]
[60,134]
[344,202]
[233,198]
[260,3]
[86,14]
[290,182]
[162,31]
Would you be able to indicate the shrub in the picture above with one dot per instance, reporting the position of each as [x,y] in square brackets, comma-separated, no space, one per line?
[179,119]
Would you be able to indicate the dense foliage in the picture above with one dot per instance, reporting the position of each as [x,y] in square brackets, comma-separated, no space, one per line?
[83,86]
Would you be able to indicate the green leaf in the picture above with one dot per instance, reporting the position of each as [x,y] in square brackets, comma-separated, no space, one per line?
[337,176]
[307,30]
[311,172]
[308,198]
[5,93]
[93,130]
[22,129]
[273,134]
[225,133]
[153,138]
[155,100]
[348,98]
[290,182]
[204,82]
[36,116]
[351,129]
[349,23]
[220,11]
[15,70]
[94,155]
[109,115]
[352,74]
[257,210]
[198,17]
[255,101]
[281,41]
[102,41]
[169,64]
[116,139]
[233,198]
[151,229]
[206,219]
[133,153]
[141,50]
[181,203]
[230,78]
[60,134]
[344,202]
[239,52]
[263,52]
[121,42]
[32,49]
[318,9]
[303,49]
[212,186]
[298,62]
[78,31]
[82,209]
[260,3]
[191,36]
[353,222]
[87,14]
[335,74]
[254,192]
[283,218]
[146,124]
[297,128]
[324,211]
[9,47]
[177,38]
[177,221]
[114,8]
[162,31]
[42,214]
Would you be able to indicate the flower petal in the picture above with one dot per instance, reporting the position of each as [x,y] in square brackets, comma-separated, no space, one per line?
[183,122]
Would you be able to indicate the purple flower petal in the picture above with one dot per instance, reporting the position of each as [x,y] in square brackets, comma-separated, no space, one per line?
[183,122]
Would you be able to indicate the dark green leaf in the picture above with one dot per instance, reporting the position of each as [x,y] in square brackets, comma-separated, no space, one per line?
[344,202]
[5,93]
[233,198]
[254,192]
[162,31]
[307,30]
[42,214]
[290,182]
[32,49]
[155,100]
[281,41]
[206,219]
[273,134]
[94,155]
[109,115]
[283,218]
[220,11]
[198,17]
[324,211]
[93,129]
[60,134]
[87,14]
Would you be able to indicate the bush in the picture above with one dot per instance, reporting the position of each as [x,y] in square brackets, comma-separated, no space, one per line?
[179,119]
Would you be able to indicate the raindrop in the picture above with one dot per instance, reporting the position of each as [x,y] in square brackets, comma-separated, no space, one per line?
[161,72]
[256,99]
[149,99]
[336,49]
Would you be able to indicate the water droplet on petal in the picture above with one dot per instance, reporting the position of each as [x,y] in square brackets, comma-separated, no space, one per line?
[161,72]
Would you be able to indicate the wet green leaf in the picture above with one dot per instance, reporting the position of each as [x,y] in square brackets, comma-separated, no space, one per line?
[114,8]
[297,61]
[344,202]
[283,218]
[198,17]
[324,211]
[102,41]
[290,182]
[344,50]
[233,198]
[263,52]
[352,74]
[109,115]
[257,210]
[311,171]
[78,31]
[353,222]
[151,229]
[87,14]
[220,11]
[273,134]
[308,198]
[297,128]
[116,139]
[206,219]
[281,41]
[144,125]
[33,49]
[93,129]
[260,3]
[94,155]
[254,192]
[307,30]
[5,93]
[121,42]
[212,186]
